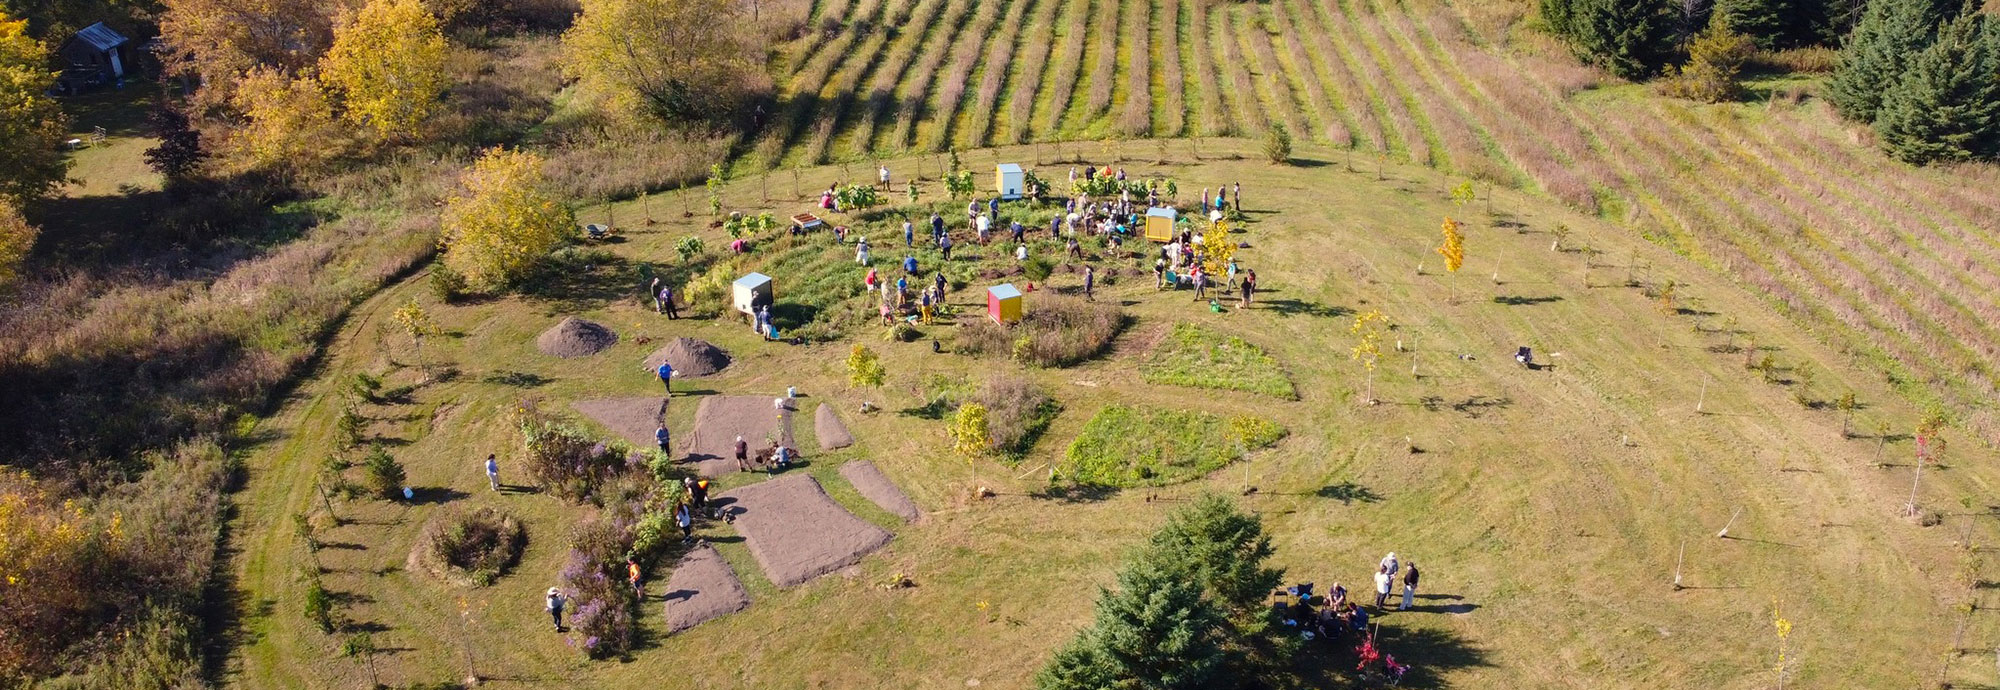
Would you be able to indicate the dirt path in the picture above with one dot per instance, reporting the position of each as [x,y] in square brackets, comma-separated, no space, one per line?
[869,480]
[703,587]
[828,427]
[796,531]
[717,423]
[632,419]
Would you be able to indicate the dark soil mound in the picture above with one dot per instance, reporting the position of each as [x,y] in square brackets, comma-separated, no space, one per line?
[689,357]
[575,337]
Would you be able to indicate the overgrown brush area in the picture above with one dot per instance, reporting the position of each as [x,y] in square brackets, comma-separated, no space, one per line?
[1055,331]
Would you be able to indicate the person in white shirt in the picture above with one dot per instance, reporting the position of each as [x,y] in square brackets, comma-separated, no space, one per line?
[882,174]
[1382,581]
[985,224]
[1389,562]
[1021,252]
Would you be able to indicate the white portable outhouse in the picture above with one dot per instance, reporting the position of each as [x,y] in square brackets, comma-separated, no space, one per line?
[752,291]
[1009,180]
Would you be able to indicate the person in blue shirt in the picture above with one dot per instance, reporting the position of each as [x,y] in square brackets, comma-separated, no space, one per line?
[909,264]
[662,436]
[937,225]
[909,233]
[993,206]
[666,372]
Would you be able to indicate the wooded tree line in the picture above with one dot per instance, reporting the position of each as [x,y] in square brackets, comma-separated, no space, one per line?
[1924,73]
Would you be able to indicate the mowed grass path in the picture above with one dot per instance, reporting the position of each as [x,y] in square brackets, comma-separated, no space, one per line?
[1550,507]
[1778,196]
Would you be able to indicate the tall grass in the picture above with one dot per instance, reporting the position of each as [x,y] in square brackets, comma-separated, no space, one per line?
[1248,119]
[917,85]
[1298,65]
[1214,119]
[1528,127]
[1276,91]
[895,64]
[1381,91]
[1402,86]
[1435,89]
[1068,67]
[1025,85]
[1332,66]
[964,56]
[1136,117]
[999,57]
[1103,59]
[1172,120]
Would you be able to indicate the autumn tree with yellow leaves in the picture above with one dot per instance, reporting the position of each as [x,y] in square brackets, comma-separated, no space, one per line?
[289,124]
[387,65]
[31,124]
[1368,329]
[1453,250]
[664,60]
[49,549]
[503,221]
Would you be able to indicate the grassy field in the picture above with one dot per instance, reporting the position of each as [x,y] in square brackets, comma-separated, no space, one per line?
[1901,265]
[1550,508]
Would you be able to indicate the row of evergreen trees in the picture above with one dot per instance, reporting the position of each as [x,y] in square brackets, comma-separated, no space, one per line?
[1636,38]
[1189,612]
[1926,75]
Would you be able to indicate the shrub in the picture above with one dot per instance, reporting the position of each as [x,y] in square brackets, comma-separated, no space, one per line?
[1017,412]
[688,248]
[594,577]
[348,426]
[503,223]
[864,367]
[385,475]
[1278,145]
[319,605]
[470,549]
[563,459]
[1038,267]
[446,285]
[1131,446]
[1714,58]
[1061,331]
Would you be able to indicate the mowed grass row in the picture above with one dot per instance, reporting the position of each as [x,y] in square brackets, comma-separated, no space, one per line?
[860,140]
[1066,67]
[993,75]
[1171,118]
[1135,118]
[1403,133]
[1306,78]
[1198,37]
[840,91]
[942,111]
[1026,76]
[917,88]
[801,96]
[1103,60]
[1459,122]
[1274,87]
[1247,118]
[1396,87]
[1331,68]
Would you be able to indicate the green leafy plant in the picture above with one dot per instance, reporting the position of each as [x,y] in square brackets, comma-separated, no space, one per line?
[385,475]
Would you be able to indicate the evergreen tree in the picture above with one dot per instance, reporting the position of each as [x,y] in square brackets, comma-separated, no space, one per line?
[1774,23]
[1631,38]
[1947,106]
[1156,631]
[179,154]
[1223,550]
[1891,34]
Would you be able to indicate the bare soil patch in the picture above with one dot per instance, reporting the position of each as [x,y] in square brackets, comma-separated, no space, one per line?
[633,419]
[828,427]
[796,531]
[574,337]
[869,480]
[690,358]
[717,423]
[703,587]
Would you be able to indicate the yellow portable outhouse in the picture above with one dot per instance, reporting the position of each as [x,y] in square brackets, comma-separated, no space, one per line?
[1160,224]
[1003,304]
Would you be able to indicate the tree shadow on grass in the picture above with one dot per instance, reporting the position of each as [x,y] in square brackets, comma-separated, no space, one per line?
[1076,493]
[1429,652]
[1348,493]
[582,281]
[518,379]
[435,495]
[1293,307]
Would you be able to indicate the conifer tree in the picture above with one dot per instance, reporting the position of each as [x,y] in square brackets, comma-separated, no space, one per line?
[1773,23]
[1155,631]
[1890,35]
[1947,106]
[1631,38]
[1223,549]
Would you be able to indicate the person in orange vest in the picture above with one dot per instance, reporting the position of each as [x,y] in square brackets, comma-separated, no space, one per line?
[632,574]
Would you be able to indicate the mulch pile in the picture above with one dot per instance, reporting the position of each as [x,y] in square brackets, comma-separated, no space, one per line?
[832,434]
[703,587]
[796,531]
[689,357]
[575,337]
[876,487]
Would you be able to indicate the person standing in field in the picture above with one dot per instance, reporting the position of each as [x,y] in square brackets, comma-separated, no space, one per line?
[632,576]
[666,372]
[667,302]
[684,518]
[1089,281]
[937,225]
[663,437]
[1409,587]
[944,246]
[658,301]
[1236,197]
[1389,563]
[742,454]
[554,602]
[1382,581]
[909,234]
[493,471]
[1200,278]
[1249,287]
[882,176]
